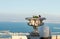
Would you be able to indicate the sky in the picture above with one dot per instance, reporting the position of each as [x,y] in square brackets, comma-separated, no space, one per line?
[18,10]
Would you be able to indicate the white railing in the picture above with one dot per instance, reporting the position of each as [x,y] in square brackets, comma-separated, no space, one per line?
[55,37]
[5,38]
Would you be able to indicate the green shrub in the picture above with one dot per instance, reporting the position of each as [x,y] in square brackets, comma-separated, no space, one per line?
[35,16]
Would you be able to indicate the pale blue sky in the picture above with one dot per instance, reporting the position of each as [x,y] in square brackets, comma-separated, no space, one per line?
[17,10]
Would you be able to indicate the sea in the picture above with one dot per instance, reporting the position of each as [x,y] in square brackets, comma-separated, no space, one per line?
[24,27]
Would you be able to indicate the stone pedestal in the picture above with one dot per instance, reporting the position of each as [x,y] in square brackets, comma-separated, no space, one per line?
[33,34]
